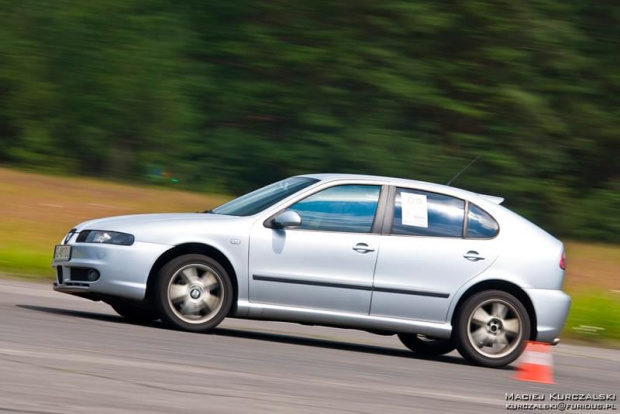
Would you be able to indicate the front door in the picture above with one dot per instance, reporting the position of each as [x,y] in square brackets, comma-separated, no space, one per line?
[328,262]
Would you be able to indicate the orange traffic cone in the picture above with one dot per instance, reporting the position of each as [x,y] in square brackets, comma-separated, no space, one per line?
[536,364]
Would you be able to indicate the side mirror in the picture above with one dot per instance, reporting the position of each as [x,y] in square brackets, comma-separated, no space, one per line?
[288,219]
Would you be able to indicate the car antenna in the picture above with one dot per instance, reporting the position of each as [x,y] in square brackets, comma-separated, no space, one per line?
[461,172]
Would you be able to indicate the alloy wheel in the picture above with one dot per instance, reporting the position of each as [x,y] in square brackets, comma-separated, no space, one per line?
[495,328]
[195,293]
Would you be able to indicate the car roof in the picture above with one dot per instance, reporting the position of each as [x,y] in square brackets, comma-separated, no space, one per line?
[423,185]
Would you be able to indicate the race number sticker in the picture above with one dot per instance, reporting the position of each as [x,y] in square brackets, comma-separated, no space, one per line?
[415,209]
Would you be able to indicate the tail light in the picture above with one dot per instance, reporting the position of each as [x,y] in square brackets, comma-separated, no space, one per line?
[563,261]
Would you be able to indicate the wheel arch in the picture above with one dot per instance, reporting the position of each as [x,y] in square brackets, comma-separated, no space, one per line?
[193,248]
[505,286]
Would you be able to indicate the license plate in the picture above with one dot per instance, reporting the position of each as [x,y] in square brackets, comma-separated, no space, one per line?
[62,253]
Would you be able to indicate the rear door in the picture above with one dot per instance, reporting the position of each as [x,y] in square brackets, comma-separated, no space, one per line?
[425,255]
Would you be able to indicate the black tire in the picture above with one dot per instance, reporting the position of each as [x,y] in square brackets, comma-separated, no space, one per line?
[133,312]
[500,340]
[423,345]
[184,311]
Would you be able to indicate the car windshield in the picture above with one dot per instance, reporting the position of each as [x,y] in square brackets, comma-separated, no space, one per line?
[260,199]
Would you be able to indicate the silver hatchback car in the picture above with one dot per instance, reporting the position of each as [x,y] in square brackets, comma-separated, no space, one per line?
[441,267]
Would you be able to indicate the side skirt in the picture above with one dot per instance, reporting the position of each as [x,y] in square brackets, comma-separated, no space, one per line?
[265,311]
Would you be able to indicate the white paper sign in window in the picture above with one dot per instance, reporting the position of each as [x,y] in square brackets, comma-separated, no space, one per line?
[415,209]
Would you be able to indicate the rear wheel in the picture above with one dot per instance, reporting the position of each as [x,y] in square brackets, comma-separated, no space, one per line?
[193,293]
[492,328]
[424,345]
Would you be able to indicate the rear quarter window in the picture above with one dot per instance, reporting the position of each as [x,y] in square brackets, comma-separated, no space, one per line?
[480,224]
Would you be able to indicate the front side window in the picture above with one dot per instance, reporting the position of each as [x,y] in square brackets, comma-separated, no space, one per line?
[422,213]
[347,208]
[480,224]
[265,197]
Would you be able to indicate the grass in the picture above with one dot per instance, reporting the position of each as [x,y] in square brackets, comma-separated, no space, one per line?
[593,281]
[595,317]
[36,211]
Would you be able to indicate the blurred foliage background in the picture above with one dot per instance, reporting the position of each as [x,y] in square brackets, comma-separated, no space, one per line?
[228,96]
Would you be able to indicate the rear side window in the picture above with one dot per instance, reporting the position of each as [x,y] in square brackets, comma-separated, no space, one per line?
[421,213]
[480,224]
[348,208]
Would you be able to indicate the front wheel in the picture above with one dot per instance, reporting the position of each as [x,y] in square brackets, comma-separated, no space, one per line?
[492,328]
[193,293]
[424,345]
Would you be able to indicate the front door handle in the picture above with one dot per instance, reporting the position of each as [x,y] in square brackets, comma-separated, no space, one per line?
[473,256]
[363,248]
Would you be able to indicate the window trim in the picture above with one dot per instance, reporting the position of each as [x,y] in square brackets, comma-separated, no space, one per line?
[388,218]
[465,220]
[382,205]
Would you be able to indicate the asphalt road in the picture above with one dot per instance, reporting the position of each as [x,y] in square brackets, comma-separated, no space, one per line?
[60,354]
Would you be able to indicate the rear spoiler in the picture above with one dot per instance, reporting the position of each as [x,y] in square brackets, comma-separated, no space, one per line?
[493,199]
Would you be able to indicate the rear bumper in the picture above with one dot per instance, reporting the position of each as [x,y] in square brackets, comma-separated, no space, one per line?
[123,270]
[551,307]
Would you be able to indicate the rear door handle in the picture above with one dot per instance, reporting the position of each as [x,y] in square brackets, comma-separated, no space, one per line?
[363,248]
[473,256]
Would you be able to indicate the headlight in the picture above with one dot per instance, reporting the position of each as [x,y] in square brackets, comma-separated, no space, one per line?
[107,237]
[68,236]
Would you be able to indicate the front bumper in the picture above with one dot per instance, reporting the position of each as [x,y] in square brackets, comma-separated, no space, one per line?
[551,307]
[123,270]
